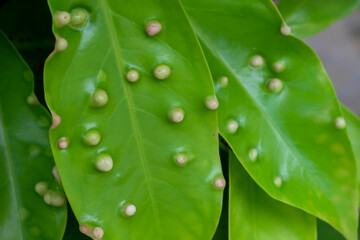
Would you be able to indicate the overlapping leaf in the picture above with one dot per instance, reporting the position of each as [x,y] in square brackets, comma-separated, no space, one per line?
[288,135]
[254,214]
[353,123]
[308,17]
[25,155]
[172,201]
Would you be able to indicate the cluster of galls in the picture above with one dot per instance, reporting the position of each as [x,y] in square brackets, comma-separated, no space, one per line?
[273,85]
[103,162]
[52,198]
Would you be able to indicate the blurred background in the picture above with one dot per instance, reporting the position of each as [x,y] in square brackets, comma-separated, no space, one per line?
[339,49]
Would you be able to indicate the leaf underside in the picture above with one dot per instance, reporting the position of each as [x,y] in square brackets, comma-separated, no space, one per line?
[25,156]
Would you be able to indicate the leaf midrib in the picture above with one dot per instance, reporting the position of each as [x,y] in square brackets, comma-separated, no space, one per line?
[10,169]
[128,97]
[258,105]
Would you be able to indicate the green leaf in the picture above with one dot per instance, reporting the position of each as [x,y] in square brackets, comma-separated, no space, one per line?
[353,129]
[282,118]
[326,232]
[222,230]
[255,215]
[308,17]
[25,156]
[101,44]
[72,231]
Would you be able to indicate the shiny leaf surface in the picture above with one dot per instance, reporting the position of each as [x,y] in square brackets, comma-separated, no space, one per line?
[88,85]
[255,215]
[25,155]
[307,18]
[278,110]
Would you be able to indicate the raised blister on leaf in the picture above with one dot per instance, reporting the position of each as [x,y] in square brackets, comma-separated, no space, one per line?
[25,166]
[135,73]
[286,106]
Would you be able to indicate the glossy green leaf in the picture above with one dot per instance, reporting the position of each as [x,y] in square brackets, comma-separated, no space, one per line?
[25,155]
[353,128]
[308,17]
[278,110]
[173,201]
[255,215]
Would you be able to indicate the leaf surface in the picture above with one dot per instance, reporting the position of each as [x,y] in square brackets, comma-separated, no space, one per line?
[172,201]
[25,156]
[255,215]
[285,135]
[353,128]
[308,17]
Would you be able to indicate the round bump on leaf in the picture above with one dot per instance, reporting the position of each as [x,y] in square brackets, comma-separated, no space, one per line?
[57,199]
[103,162]
[99,98]
[92,137]
[278,182]
[162,71]
[48,197]
[62,18]
[176,115]
[257,61]
[253,154]
[274,85]
[63,143]
[129,210]
[60,44]
[132,75]
[56,120]
[223,81]
[32,99]
[153,28]
[98,232]
[56,174]
[285,30]
[180,159]
[340,123]
[79,17]
[232,126]
[278,66]
[41,188]
[219,183]
[84,229]
[211,103]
